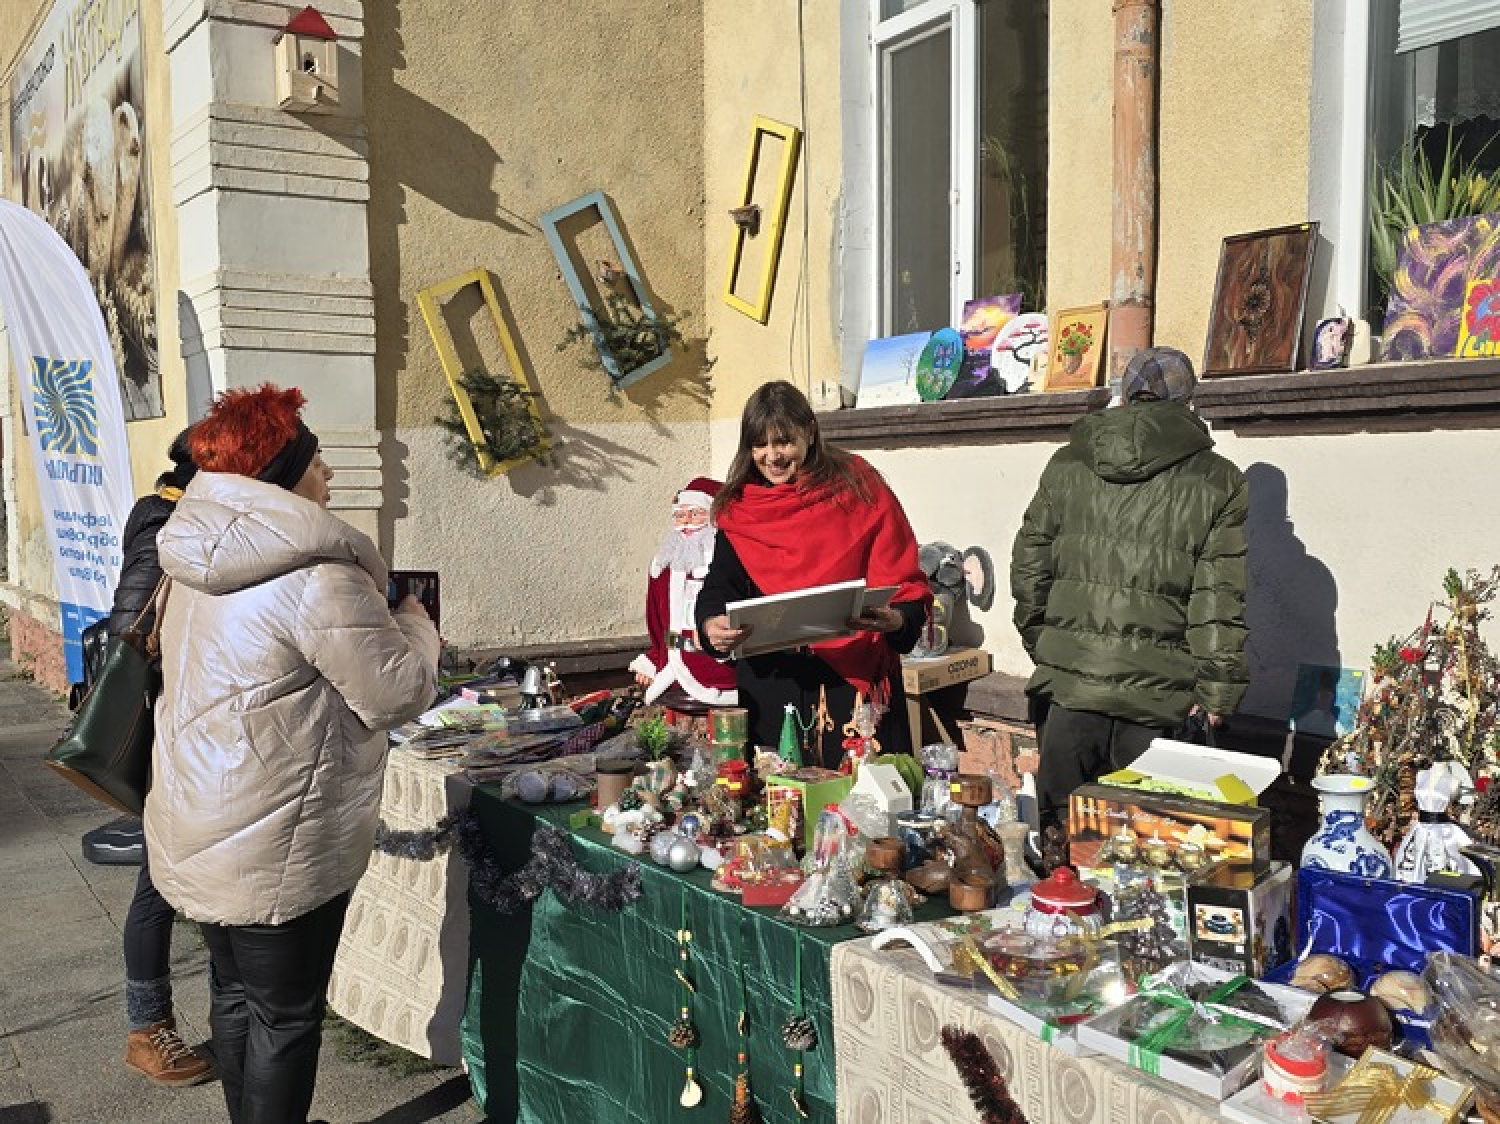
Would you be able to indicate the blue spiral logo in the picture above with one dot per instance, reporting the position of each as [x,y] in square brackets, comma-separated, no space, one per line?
[62,397]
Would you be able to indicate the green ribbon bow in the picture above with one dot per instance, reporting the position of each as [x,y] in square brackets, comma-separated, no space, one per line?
[1145,1052]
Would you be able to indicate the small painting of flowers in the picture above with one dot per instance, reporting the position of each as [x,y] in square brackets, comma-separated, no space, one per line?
[1479,330]
[1076,355]
[1255,321]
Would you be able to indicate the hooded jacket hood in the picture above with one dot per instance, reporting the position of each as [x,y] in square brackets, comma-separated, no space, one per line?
[1136,442]
[231,532]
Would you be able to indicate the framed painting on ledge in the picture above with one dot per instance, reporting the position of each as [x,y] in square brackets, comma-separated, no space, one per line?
[1255,321]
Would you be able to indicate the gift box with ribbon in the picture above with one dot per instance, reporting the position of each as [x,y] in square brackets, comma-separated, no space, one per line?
[1378,925]
[1196,1026]
[1385,1089]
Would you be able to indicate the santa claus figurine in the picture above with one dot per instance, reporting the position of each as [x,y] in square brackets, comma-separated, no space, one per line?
[677,573]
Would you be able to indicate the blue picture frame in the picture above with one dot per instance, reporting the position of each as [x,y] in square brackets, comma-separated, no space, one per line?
[550,222]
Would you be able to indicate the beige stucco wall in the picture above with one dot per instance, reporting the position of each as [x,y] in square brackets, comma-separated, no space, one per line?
[754,66]
[479,122]
[148,439]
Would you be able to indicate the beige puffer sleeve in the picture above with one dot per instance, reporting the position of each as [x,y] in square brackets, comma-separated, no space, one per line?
[384,664]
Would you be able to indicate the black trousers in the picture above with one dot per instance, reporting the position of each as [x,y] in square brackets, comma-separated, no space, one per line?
[1078,746]
[267,987]
[148,929]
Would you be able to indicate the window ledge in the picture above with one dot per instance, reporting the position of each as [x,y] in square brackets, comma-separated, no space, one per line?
[1381,397]
[1421,394]
[969,421]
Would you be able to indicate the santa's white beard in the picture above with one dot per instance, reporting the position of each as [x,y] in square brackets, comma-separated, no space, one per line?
[682,551]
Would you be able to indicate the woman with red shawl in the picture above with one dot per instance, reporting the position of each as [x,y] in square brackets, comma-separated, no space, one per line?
[796,513]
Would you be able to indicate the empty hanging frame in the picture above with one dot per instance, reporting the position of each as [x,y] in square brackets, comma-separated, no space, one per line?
[430,300]
[791,138]
[551,223]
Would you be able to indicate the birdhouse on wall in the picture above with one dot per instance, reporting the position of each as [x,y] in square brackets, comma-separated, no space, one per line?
[307,64]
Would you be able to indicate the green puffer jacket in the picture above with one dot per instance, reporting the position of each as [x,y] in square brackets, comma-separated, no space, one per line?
[1129,569]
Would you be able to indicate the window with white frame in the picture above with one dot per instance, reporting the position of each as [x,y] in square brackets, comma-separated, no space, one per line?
[961,157]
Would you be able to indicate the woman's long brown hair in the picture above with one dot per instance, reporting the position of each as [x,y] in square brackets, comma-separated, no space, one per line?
[779,410]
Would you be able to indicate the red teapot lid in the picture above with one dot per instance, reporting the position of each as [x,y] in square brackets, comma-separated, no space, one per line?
[1062,890]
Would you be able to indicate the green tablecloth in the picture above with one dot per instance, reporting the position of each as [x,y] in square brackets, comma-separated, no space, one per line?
[569,1006]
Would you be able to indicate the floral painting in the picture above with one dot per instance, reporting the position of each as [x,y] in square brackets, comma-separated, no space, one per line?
[1436,265]
[1255,321]
[1479,328]
[1076,352]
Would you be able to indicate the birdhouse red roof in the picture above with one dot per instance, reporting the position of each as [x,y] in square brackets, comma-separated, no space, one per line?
[310,22]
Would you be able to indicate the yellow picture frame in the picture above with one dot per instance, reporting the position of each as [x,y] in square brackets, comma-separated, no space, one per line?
[760,309]
[429,301]
[1062,372]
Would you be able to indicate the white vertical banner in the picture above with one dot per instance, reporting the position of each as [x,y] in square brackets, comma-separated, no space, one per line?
[70,399]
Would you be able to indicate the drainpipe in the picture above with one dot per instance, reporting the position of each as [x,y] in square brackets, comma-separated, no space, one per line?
[1133,252]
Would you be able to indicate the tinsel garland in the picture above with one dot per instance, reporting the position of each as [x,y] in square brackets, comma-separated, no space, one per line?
[552,865]
[981,1077]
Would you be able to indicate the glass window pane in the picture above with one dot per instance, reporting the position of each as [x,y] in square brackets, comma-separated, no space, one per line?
[889,8]
[1012,189]
[918,163]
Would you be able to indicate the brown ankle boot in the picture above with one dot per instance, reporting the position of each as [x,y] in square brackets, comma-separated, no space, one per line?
[159,1052]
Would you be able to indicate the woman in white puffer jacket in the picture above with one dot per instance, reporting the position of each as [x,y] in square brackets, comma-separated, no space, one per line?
[282,667]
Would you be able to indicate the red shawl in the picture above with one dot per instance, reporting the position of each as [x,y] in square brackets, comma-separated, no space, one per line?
[793,538]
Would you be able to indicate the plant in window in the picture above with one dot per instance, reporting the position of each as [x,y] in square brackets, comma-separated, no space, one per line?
[1409,192]
[631,337]
[503,409]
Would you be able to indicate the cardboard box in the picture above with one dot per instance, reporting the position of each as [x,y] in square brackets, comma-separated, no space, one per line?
[819,788]
[995,745]
[1231,833]
[1201,772]
[1242,922]
[957,665]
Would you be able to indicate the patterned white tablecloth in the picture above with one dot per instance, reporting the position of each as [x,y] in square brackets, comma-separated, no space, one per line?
[402,966]
[888,1014]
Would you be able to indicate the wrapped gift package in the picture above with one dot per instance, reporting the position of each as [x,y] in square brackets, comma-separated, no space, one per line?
[1100,816]
[1240,921]
[1196,1026]
[819,788]
[1378,925]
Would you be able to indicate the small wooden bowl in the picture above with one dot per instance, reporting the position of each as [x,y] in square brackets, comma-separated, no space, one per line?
[885,853]
[969,895]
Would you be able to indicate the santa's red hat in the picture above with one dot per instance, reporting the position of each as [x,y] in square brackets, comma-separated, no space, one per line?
[700,492]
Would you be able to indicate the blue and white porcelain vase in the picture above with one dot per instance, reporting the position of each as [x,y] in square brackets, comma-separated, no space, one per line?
[1342,842]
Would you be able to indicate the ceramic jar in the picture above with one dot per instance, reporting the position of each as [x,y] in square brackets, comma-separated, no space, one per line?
[1062,906]
[1342,842]
[1351,1021]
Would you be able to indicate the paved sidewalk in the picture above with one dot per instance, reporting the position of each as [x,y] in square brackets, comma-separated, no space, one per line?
[62,1007]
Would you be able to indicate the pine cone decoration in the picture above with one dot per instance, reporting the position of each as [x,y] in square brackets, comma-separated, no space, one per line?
[684,1034]
[799,1033]
[744,1110]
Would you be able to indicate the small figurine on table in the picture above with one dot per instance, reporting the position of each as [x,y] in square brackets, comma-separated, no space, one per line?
[676,658]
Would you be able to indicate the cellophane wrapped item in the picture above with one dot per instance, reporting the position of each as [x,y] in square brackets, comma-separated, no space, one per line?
[830,895]
[940,764]
[1466,1031]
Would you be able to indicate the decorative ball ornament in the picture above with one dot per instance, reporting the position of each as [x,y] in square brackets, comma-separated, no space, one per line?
[684,1034]
[661,846]
[682,856]
[799,1033]
[690,825]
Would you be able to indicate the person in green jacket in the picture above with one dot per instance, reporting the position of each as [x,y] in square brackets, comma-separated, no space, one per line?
[1129,579]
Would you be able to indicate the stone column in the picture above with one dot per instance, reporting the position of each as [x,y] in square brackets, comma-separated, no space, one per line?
[272,220]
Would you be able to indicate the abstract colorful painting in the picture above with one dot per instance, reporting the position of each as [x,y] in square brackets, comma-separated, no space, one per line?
[1076,348]
[888,376]
[1255,322]
[1437,263]
[1479,329]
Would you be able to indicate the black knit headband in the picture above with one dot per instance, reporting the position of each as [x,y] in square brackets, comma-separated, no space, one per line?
[289,466]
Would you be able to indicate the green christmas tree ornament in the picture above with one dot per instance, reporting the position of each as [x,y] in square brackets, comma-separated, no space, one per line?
[791,737]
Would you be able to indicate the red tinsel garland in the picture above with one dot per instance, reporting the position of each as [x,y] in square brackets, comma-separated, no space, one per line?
[981,1077]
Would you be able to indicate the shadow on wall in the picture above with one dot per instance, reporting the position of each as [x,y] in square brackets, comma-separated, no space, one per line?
[1291,601]
[200,382]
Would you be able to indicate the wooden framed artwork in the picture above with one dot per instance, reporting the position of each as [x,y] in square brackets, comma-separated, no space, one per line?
[622,263]
[747,224]
[1255,322]
[430,301]
[1075,351]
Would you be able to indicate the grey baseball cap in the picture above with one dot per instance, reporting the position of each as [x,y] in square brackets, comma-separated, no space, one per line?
[1161,373]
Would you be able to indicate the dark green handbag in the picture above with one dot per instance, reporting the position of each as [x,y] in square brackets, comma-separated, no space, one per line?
[106,749]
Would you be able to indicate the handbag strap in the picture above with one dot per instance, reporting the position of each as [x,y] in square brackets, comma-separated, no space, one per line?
[159,599]
[135,625]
